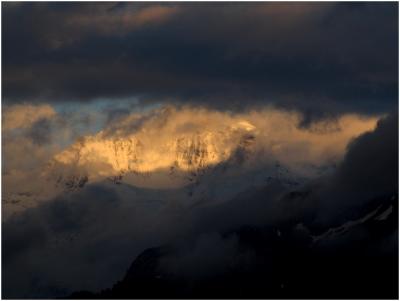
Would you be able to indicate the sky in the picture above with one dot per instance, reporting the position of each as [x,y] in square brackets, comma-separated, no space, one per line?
[319,58]
[130,125]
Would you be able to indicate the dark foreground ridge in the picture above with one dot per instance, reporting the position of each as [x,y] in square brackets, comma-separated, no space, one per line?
[357,260]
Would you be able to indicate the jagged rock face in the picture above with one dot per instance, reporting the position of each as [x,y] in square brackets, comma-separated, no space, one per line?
[115,154]
[99,156]
[198,151]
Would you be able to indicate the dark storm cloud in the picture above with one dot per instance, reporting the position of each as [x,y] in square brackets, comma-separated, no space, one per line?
[372,158]
[369,171]
[316,57]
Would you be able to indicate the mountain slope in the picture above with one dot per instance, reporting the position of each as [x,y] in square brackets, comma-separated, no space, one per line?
[287,262]
[212,165]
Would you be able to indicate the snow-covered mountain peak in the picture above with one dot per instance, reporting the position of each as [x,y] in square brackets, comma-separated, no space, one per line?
[202,161]
[145,153]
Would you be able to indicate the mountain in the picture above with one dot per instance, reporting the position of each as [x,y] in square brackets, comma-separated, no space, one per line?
[212,165]
[289,261]
[180,157]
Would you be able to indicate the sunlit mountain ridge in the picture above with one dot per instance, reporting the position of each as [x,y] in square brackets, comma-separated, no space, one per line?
[208,155]
[101,156]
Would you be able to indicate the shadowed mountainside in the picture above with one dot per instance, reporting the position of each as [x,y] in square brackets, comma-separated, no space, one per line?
[287,260]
